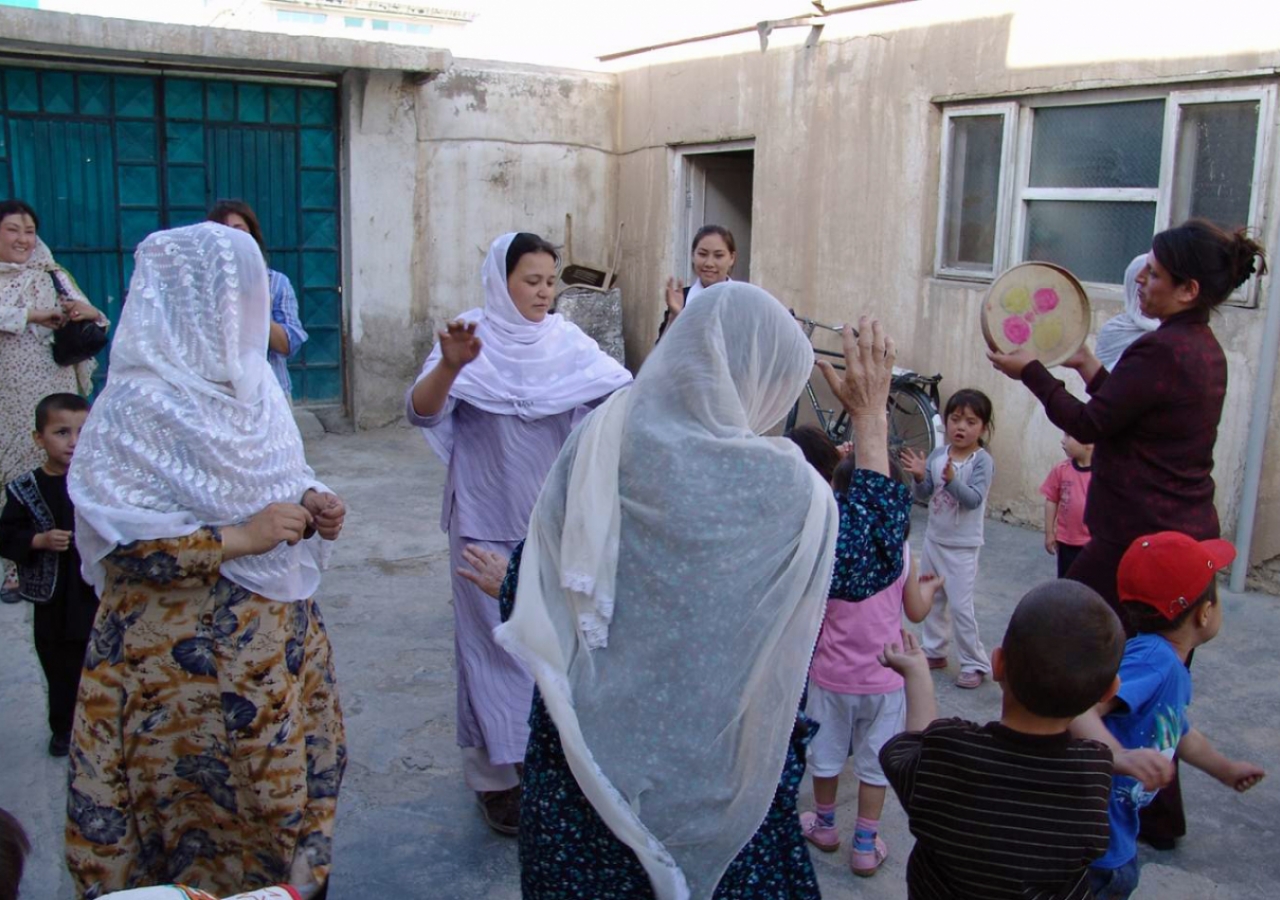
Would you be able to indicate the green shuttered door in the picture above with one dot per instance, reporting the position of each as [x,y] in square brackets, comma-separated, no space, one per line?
[107,158]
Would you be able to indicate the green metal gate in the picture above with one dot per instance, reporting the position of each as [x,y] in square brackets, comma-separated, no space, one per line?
[107,157]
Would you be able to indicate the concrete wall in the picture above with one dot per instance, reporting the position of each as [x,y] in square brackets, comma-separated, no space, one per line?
[847,144]
[438,169]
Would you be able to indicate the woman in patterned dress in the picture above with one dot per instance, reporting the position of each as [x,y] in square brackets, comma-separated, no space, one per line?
[208,744]
[30,311]
[669,596]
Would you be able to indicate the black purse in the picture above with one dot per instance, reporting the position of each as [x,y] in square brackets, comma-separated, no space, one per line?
[75,342]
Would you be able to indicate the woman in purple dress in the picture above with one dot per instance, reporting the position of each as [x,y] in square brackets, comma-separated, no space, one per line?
[497,397]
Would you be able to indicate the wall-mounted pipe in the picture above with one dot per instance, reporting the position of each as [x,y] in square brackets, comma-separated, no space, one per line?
[1256,443]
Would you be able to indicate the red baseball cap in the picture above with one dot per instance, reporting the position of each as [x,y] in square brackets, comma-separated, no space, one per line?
[1169,570]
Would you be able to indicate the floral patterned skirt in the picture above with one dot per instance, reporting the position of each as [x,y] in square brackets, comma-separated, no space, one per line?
[208,744]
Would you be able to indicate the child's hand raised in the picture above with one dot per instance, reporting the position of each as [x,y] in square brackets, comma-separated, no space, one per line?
[948,471]
[906,657]
[1240,775]
[459,345]
[913,462]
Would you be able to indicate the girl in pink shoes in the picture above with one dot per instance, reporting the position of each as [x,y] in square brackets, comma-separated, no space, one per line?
[955,480]
[859,703]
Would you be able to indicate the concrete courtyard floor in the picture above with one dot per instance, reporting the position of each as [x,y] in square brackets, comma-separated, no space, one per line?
[408,827]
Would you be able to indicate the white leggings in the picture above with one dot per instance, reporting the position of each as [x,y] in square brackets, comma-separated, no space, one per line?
[953,606]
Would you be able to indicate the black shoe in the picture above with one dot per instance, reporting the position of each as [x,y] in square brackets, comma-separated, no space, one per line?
[1159,842]
[60,745]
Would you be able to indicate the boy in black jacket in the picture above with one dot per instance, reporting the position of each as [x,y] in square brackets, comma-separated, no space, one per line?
[36,533]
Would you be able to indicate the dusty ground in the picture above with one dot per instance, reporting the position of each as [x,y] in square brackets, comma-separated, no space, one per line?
[407,826]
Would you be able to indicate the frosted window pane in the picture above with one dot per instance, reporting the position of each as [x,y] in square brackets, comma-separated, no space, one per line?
[1213,176]
[1108,145]
[969,229]
[1095,240]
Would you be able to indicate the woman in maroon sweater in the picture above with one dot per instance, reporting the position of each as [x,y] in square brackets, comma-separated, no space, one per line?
[1154,420]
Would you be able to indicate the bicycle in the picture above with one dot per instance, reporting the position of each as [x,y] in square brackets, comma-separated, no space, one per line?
[914,401]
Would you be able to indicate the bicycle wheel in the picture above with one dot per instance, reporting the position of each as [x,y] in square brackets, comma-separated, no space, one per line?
[914,423]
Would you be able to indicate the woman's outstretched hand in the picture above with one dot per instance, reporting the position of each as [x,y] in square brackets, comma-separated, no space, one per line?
[459,345]
[1010,364]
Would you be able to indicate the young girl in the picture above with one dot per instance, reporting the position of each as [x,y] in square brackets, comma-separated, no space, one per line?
[955,479]
[858,702]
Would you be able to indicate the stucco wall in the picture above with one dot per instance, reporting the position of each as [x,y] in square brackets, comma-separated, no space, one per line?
[847,143]
[437,170]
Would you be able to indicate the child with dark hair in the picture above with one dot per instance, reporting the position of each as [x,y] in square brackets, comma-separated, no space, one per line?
[1065,491]
[818,449]
[955,480]
[1014,808]
[14,847]
[858,703]
[1167,587]
[36,528]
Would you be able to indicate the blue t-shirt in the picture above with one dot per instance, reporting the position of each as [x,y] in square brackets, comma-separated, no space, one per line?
[1155,688]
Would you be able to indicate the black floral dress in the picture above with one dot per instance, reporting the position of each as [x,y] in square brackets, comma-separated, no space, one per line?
[566,850]
[208,745]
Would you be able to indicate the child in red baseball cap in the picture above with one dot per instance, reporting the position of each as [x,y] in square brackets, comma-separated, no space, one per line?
[1168,588]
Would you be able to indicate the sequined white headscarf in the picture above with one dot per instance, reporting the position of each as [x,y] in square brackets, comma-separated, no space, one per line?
[192,429]
[526,369]
[672,586]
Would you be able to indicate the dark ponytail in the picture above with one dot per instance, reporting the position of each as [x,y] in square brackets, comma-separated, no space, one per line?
[1219,262]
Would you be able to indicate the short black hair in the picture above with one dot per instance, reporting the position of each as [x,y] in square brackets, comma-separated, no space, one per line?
[1146,619]
[14,847]
[15,207]
[58,403]
[724,233]
[1062,649]
[525,243]
[817,448]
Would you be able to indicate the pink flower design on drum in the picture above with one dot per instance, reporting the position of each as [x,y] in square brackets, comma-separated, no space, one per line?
[1045,300]
[1017,330]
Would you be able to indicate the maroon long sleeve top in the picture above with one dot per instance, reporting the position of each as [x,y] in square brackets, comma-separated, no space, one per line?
[1153,423]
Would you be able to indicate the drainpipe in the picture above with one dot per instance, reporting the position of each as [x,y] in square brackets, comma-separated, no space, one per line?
[1256,444]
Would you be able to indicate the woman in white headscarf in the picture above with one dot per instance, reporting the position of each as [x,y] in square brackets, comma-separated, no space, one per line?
[668,599]
[496,399]
[208,744]
[32,309]
[1118,332]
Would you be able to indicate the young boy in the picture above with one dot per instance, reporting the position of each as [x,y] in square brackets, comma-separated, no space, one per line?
[36,533]
[1014,808]
[1167,586]
[1065,491]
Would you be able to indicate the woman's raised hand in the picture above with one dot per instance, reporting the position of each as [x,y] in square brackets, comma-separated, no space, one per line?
[50,318]
[459,345]
[278,523]
[868,368]
[675,295]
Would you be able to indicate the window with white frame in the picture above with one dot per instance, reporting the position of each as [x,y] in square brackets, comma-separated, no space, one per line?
[1093,180]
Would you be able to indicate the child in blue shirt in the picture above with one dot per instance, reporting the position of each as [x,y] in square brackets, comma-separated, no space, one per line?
[1167,588]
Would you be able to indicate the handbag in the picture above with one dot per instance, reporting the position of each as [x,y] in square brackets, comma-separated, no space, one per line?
[75,342]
